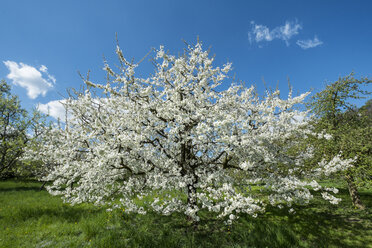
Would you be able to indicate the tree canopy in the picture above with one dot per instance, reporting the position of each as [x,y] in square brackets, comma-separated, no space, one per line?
[175,135]
[350,128]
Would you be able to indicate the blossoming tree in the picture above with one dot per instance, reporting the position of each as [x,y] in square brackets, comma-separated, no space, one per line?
[177,142]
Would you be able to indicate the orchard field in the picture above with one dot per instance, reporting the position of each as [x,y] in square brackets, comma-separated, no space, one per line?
[33,218]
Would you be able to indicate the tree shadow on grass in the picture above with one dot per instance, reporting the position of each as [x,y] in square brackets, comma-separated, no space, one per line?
[306,228]
[326,229]
[366,198]
[153,230]
[21,188]
[9,185]
[321,224]
[65,213]
[314,225]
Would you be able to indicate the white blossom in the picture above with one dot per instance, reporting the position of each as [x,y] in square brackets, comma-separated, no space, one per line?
[175,139]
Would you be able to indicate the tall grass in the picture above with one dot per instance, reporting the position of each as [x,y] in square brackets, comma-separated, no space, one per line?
[33,218]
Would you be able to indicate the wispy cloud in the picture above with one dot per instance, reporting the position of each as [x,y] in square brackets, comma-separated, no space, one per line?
[35,81]
[261,33]
[306,44]
[54,109]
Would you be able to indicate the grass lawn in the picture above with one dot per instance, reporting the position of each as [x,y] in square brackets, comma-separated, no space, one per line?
[33,218]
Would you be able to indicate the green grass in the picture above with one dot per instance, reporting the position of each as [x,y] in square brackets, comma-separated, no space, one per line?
[33,218]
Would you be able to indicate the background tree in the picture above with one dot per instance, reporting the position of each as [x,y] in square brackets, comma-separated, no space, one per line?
[17,129]
[173,139]
[349,127]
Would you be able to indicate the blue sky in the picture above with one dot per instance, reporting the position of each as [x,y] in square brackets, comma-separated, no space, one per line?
[44,43]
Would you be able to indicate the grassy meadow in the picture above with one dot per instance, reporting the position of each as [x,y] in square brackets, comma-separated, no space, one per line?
[33,218]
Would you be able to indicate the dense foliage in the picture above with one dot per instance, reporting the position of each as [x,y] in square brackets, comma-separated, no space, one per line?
[17,129]
[350,128]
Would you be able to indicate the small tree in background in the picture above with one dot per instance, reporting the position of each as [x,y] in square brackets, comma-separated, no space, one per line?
[349,127]
[13,134]
[17,129]
[173,139]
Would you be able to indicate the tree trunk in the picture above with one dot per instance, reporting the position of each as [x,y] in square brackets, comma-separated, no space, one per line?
[192,203]
[42,186]
[353,190]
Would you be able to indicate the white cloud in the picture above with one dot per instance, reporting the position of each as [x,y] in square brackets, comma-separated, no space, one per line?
[43,68]
[54,108]
[261,33]
[30,78]
[57,110]
[306,44]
